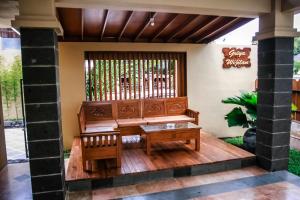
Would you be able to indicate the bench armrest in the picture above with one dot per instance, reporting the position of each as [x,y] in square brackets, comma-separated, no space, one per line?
[193,114]
[81,120]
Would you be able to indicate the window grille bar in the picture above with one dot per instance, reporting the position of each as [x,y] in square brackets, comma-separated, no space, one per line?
[134,75]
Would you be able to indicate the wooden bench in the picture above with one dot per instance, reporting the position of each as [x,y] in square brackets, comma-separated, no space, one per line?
[101,124]
[128,115]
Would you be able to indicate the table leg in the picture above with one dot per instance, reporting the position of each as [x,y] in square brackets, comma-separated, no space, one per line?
[197,142]
[90,165]
[148,145]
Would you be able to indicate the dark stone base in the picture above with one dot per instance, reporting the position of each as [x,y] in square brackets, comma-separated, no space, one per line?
[132,179]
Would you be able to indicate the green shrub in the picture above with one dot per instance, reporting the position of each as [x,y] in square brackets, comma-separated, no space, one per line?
[294,155]
[296,67]
[236,141]
[297,46]
[245,114]
[294,162]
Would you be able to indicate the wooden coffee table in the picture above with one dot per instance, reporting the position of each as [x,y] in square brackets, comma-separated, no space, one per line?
[171,132]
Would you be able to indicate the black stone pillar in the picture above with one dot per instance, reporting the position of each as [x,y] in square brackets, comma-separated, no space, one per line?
[42,107]
[275,73]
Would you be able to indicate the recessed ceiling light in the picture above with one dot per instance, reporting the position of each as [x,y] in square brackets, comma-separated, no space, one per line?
[152,21]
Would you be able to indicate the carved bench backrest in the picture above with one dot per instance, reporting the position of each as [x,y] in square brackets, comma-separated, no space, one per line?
[176,106]
[154,107]
[163,107]
[127,109]
[97,111]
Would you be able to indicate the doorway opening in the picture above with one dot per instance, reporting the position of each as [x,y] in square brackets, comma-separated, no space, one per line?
[12,98]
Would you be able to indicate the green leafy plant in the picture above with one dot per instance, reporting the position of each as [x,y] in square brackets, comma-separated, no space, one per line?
[245,115]
[297,46]
[10,84]
[296,67]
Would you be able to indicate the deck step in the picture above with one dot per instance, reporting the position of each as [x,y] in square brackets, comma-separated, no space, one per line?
[167,160]
[131,179]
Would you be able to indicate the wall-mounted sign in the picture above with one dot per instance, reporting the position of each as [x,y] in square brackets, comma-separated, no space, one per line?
[235,57]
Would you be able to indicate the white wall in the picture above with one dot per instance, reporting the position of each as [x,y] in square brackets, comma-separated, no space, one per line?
[207,82]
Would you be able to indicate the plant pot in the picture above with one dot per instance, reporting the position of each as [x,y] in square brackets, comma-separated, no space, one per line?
[249,139]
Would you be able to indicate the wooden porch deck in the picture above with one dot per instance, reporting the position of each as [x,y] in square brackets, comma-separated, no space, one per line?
[165,156]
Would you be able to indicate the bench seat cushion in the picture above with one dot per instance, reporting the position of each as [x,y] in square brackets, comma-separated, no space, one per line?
[169,119]
[131,122]
[92,125]
[99,129]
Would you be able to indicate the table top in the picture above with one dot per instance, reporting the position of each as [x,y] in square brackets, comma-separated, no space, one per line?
[169,127]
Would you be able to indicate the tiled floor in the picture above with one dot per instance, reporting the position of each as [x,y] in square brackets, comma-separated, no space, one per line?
[245,184]
[173,184]
[282,190]
[165,185]
[295,142]
[15,182]
[269,186]
[15,144]
[295,135]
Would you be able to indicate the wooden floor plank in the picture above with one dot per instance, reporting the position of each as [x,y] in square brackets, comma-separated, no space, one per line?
[145,159]
[225,146]
[163,156]
[177,151]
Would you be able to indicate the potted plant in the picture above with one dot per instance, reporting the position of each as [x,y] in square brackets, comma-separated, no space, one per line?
[245,116]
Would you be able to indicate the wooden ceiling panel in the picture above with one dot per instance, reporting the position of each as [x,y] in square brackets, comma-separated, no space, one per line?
[171,22]
[160,21]
[194,27]
[70,19]
[212,26]
[180,21]
[134,26]
[92,19]
[226,29]
[128,18]
[173,35]
[114,23]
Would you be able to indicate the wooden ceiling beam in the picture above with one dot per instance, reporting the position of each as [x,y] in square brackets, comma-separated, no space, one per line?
[187,22]
[200,27]
[82,24]
[164,27]
[106,14]
[145,26]
[210,34]
[128,18]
